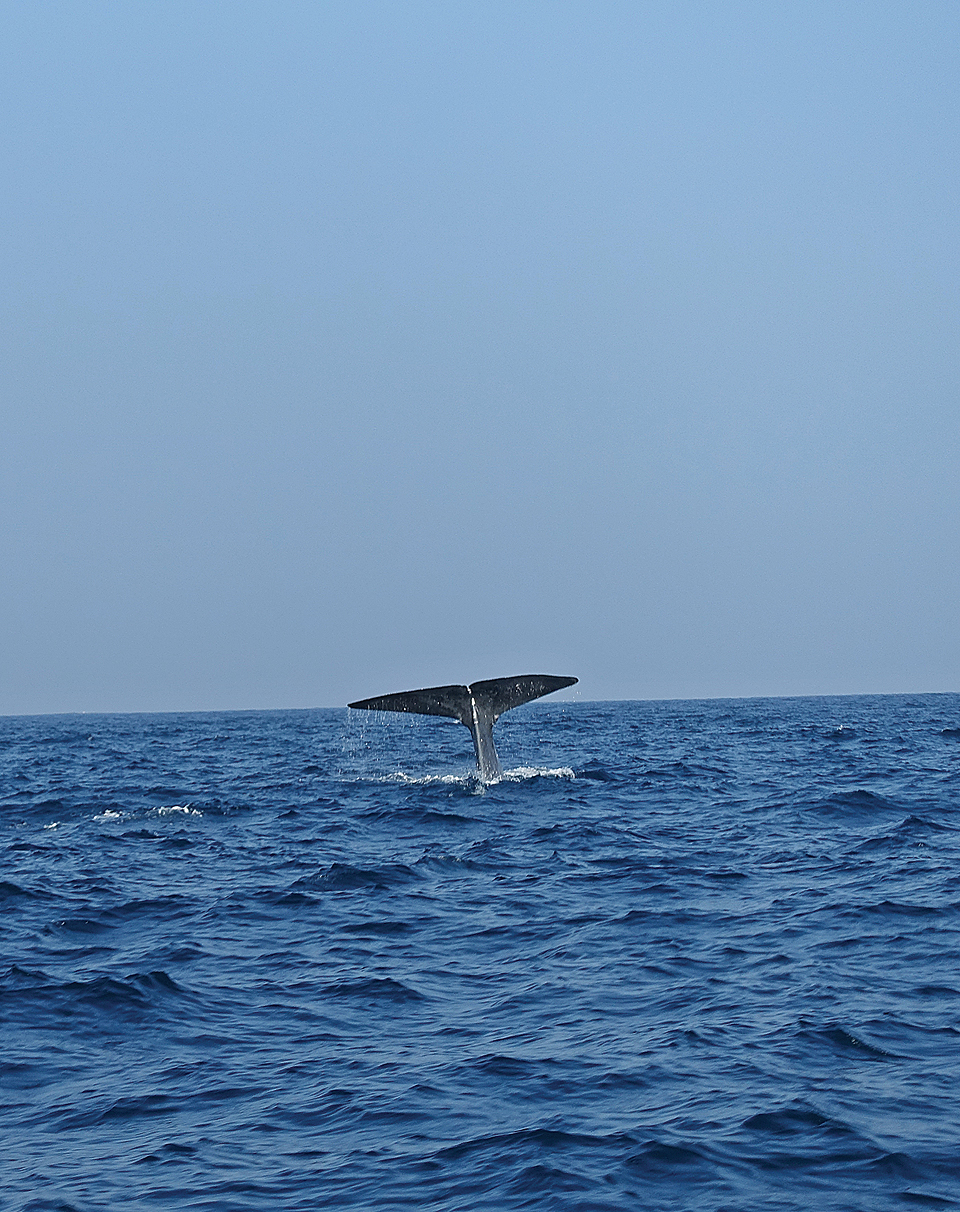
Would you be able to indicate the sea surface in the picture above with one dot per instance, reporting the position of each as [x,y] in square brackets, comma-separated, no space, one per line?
[687,955]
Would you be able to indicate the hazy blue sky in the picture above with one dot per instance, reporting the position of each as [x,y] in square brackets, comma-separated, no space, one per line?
[355,346]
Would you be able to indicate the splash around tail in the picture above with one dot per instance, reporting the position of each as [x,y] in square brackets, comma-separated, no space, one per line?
[477,707]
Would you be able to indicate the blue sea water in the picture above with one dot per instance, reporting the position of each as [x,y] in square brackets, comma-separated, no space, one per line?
[688,955]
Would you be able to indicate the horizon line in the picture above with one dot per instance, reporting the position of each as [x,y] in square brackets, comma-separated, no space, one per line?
[714,698]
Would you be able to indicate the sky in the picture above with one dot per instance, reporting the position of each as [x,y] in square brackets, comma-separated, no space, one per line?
[351,347]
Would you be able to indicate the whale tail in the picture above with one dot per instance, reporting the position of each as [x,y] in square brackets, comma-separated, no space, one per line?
[477,707]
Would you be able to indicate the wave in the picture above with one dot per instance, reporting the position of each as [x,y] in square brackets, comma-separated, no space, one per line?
[340,877]
[539,1138]
[26,996]
[10,891]
[374,987]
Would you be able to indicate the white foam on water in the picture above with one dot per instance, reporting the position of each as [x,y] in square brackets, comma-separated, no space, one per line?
[108,814]
[400,776]
[538,772]
[518,775]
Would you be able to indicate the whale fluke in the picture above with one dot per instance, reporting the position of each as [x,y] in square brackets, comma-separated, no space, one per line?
[477,707]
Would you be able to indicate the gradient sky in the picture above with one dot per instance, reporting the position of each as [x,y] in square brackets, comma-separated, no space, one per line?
[350,347]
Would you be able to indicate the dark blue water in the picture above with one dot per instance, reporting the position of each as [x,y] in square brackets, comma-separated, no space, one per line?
[700,955]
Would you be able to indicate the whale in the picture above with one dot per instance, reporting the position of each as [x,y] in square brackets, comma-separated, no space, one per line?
[477,707]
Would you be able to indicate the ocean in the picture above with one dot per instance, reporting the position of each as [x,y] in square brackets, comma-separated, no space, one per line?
[687,955]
